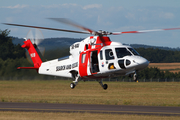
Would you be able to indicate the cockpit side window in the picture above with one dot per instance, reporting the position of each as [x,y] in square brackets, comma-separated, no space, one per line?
[109,54]
[83,58]
[133,51]
[121,52]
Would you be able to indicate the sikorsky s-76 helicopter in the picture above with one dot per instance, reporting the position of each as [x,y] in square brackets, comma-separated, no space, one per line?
[95,57]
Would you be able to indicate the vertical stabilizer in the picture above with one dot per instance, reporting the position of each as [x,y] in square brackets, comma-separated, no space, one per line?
[33,54]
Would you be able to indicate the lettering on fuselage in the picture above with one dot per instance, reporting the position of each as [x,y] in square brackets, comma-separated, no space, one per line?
[74,65]
[75,46]
[59,68]
[66,67]
[33,54]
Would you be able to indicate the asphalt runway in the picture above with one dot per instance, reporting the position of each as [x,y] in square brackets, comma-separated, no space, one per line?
[82,108]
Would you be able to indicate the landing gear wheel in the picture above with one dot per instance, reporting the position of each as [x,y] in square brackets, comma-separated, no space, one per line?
[105,86]
[135,78]
[72,85]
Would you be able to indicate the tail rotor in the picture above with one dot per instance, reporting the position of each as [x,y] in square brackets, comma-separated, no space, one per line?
[36,41]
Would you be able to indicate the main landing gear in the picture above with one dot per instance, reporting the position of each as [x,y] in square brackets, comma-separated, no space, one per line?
[76,78]
[104,86]
[75,82]
[73,85]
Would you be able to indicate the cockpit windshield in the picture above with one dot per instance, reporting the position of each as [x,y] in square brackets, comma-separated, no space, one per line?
[133,51]
[121,52]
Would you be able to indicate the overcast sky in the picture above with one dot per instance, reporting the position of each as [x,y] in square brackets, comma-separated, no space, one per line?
[108,15]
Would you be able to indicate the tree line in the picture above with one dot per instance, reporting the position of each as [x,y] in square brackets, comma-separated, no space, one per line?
[13,56]
[155,55]
[153,73]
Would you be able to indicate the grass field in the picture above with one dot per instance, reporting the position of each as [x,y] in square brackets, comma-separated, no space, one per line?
[172,67]
[118,93]
[77,116]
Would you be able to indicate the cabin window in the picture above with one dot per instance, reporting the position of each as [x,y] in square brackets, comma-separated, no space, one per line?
[121,64]
[83,58]
[121,52]
[109,54]
[101,55]
[133,51]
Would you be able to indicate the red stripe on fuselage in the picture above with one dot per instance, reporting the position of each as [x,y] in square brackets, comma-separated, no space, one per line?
[83,64]
[100,42]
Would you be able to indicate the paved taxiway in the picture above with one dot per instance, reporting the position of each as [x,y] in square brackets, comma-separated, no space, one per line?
[113,109]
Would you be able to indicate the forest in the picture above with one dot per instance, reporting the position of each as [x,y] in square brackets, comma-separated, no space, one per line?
[13,56]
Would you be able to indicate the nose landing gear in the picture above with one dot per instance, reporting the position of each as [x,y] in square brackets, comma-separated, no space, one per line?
[135,78]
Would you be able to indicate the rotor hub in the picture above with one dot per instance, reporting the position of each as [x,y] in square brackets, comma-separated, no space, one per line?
[102,33]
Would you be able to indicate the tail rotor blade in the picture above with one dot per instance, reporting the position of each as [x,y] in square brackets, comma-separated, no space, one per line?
[30,36]
[38,36]
[38,39]
[41,50]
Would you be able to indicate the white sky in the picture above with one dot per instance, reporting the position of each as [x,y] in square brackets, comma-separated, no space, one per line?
[108,15]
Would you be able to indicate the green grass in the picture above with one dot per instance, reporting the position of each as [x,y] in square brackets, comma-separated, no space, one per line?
[118,93]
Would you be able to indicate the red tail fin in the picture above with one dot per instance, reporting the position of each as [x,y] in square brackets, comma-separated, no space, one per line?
[33,54]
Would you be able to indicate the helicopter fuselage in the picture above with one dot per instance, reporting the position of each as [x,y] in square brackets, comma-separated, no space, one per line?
[96,57]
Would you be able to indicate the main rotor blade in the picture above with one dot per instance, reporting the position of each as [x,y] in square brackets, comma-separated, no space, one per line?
[84,32]
[68,22]
[143,31]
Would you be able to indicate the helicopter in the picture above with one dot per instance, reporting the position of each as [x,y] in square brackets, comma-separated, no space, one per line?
[95,57]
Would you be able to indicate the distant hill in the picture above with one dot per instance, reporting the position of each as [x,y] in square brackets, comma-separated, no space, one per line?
[53,43]
[155,47]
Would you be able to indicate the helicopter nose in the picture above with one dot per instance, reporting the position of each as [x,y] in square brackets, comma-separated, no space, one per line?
[141,62]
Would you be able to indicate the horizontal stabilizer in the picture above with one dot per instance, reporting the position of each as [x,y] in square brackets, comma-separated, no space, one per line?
[28,68]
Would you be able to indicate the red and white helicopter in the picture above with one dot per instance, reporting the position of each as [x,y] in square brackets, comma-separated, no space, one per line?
[95,57]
